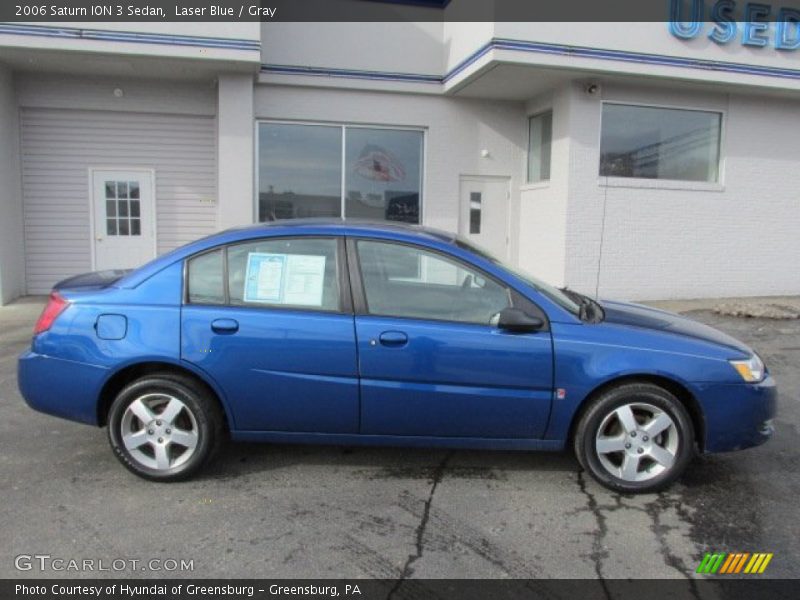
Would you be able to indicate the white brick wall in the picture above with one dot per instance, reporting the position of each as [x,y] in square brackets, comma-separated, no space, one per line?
[738,239]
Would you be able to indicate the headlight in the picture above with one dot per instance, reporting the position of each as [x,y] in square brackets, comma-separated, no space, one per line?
[751,370]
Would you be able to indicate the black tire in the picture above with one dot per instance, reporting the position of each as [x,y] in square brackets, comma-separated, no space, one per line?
[599,413]
[200,411]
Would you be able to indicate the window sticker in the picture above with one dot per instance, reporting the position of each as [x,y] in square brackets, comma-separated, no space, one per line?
[264,277]
[295,279]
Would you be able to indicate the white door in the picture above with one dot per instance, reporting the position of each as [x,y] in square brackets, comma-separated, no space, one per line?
[484,212]
[124,219]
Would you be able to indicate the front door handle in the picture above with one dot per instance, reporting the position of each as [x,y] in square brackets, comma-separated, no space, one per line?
[224,326]
[393,338]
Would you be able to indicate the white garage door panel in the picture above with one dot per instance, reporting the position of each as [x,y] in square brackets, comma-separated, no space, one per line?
[60,146]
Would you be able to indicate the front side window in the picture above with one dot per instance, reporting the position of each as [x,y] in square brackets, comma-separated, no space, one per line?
[411,282]
[304,172]
[540,137]
[660,143]
[290,272]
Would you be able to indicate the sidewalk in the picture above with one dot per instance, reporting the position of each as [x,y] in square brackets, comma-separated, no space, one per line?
[770,307]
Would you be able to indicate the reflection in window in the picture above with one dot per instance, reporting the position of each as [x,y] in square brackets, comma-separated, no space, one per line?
[660,143]
[540,136]
[302,172]
[383,176]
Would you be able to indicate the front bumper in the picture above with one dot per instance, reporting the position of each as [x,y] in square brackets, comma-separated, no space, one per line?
[60,387]
[737,415]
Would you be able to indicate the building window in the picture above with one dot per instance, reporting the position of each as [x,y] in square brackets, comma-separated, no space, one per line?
[540,136]
[660,143]
[339,171]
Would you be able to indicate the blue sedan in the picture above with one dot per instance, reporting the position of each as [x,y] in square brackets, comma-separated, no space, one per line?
[385,334]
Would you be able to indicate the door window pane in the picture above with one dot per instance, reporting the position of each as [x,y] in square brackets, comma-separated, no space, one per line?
[205,279]
[540,136]
[298,272]
[383,175]
[475,212]
[660,143]
[122,215]
[300,171]
[438,289]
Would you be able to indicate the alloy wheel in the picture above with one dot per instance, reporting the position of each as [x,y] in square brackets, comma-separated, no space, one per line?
[636,442]
[159,431]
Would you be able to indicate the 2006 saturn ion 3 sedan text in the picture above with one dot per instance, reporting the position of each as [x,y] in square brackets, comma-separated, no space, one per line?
[363,333]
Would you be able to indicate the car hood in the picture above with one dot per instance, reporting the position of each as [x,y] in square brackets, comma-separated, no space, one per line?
[636,315]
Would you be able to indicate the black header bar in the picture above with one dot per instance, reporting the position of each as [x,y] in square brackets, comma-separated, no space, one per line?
[65,11]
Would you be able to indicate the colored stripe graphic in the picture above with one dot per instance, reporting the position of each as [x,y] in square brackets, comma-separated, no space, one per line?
[734,563]
[711,562]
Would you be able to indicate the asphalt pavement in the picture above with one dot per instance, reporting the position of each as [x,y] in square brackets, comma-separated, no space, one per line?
[303,511]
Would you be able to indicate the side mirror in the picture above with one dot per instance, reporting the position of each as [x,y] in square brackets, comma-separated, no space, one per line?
[518,321]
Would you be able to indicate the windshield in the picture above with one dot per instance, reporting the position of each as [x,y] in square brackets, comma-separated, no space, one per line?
[548,290]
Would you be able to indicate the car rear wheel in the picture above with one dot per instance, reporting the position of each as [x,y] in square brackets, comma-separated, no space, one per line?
[635,438]
[164,427]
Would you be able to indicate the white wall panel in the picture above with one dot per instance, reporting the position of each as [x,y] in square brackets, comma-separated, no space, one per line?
[58,148]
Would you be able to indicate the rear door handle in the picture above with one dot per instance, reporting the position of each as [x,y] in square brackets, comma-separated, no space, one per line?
[393,338]
[224,326]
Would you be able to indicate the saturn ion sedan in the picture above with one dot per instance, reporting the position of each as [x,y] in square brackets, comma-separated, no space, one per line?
[341,332]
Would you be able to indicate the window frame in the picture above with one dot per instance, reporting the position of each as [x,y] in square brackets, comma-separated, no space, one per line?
[342,126]
[359,294]
[655,182]
[528,180]
[342,276]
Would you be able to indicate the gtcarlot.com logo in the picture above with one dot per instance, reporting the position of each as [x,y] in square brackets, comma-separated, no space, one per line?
[46,562]
[732,563]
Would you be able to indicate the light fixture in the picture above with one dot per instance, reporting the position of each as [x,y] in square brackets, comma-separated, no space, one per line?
[118,93]
[485,153]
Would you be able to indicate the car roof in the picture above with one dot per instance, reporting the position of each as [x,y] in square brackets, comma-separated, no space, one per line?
[330,226]
[340,227]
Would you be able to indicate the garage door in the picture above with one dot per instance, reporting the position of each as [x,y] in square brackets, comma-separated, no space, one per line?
[62,148]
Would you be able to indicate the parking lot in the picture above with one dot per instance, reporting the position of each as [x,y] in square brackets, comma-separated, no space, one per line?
[295,511]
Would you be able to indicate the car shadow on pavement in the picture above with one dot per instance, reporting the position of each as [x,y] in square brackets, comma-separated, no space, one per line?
[243,459]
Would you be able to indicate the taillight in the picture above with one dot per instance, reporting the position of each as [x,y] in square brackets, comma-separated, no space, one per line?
[55,306]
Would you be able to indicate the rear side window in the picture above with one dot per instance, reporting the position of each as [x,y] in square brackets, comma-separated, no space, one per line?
[205,279]
[291,272]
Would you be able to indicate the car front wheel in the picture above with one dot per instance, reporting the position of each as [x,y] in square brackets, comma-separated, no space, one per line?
[635,438]
[164,427]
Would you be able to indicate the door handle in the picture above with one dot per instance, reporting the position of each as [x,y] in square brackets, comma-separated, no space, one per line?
[393,338]
[224,326]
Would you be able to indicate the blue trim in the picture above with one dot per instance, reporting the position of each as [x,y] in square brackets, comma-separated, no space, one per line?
[350,73]
[129,36]
[542,48]
[623,56]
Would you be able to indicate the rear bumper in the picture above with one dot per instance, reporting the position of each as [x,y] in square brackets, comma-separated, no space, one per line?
[60,387]
[738,415]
